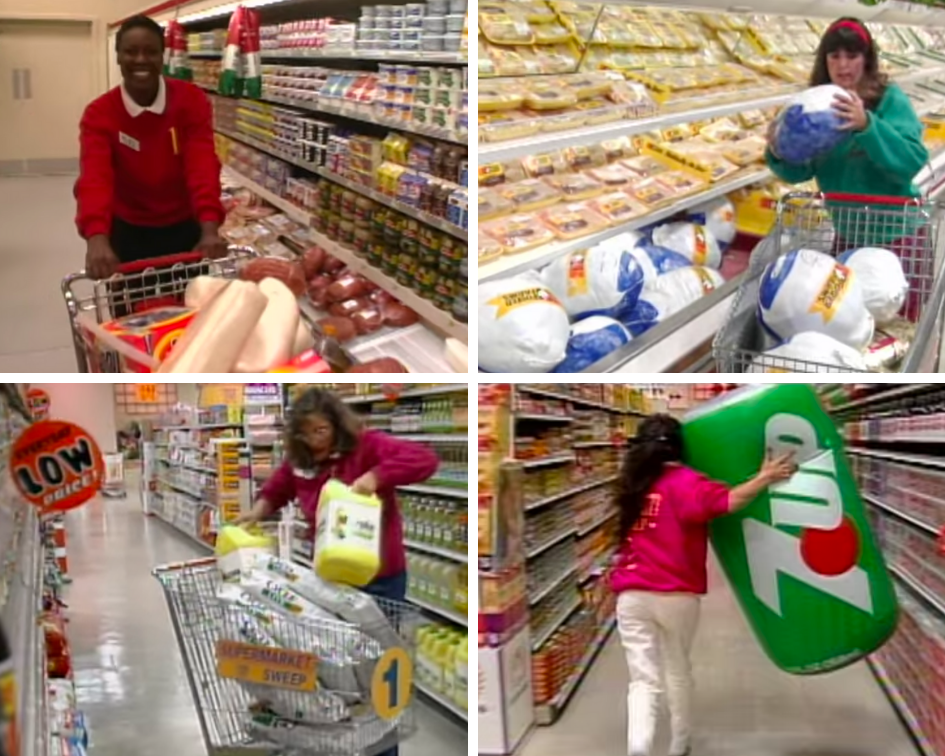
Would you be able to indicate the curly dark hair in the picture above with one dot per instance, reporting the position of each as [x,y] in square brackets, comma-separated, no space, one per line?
[840,36]
[346,424]
[658,441]
[139,22]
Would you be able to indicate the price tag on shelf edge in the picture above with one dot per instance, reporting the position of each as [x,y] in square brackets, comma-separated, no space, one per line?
[56,466]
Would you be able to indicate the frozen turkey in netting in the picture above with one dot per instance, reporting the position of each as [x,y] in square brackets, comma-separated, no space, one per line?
[808,127]
[809,352]
[717,215]
[881,278]
[694,242]
[591,340]
[595,280]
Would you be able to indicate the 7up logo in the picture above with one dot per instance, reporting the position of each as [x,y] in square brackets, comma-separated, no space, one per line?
[825,555]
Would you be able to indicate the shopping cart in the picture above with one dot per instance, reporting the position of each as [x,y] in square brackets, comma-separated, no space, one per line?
[114,484]
[239,715]
[137,287]
[834,223]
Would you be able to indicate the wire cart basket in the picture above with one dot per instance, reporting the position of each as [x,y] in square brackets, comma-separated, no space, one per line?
[834,223]
[137,287]
[323,688]
[114,484]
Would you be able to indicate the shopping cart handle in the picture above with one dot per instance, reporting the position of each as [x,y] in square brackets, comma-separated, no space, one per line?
[139,266]
[870,199]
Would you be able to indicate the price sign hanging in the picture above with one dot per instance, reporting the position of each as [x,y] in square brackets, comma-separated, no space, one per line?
[147,393]
[57,466]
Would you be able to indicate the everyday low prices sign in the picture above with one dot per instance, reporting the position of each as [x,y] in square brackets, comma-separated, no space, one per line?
[57,466]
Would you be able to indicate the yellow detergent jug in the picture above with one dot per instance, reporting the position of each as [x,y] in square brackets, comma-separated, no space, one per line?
[437,658]
[237,548]
[462,673]
[348,535]
[425,664]
[461,590]
[449,666]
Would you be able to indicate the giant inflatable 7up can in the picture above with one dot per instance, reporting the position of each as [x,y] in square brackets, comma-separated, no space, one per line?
[801,557]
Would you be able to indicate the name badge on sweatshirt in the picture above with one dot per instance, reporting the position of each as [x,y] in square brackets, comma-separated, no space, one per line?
[129,141]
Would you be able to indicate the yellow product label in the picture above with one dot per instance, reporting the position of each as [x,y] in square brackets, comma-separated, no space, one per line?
[505,303]
[702,248]
[577,273]
[615,207]
[275,667]
[491,174]
[708,285]
[832,293]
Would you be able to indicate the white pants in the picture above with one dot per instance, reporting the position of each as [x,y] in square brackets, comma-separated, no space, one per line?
[657,630]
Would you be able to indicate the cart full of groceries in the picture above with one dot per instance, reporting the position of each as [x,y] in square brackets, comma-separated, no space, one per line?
[284,660]
[845,283]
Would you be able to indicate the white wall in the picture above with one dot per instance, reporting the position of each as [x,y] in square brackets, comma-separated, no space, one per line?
[88,405]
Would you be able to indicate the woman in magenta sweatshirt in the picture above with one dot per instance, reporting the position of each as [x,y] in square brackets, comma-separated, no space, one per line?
[659,571]
[149,182]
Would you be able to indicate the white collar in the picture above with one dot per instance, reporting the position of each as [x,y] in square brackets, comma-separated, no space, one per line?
[134,109]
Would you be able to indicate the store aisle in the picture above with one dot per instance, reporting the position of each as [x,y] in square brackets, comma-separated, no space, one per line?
[39,246]
[128,673]
[743,707]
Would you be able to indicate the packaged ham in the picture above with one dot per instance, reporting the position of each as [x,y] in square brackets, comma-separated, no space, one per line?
[368,320]
[516,233]
[573,220]
[382,365]
[312,262]
[489,249]
[613,175]
[575,186]
[348,307]
[382,297]
[332,265]
[271,342]
[398,315]
[214,340]
[349,286]
[680,183]
[341,329]
[650,192]
[616,207]
[530,194]
[644,166]
[290,273]
[492,204]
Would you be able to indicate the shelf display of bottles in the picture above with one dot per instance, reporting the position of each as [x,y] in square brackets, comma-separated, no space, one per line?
[443,666]
[438,585]
[435,524]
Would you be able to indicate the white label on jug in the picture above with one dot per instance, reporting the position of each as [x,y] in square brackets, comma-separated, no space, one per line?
[811,499]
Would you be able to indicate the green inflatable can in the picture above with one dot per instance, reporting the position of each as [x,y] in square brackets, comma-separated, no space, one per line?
[801,557]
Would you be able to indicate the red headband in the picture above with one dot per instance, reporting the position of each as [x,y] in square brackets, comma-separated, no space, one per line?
[855,28]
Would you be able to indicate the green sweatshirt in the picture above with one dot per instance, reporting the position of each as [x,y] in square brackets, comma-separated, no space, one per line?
[881,160]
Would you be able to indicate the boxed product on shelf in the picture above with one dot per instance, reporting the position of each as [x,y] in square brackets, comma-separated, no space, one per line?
[915,491]
[549,568]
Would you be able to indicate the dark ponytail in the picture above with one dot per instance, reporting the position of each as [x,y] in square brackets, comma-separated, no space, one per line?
[658,441]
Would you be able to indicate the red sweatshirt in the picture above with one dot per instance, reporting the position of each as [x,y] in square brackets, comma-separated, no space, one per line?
[394,462]
[153,170]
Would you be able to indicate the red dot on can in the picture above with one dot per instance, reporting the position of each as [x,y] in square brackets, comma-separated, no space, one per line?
[831,552]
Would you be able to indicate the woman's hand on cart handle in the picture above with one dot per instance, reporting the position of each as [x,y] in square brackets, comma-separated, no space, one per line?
[211,244]
[100,259]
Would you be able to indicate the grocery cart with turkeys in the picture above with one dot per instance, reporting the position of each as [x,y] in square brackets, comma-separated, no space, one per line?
[911,343]
[277,685]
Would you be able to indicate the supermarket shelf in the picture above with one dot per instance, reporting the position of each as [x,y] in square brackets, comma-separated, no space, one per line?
[912,459]
[558,538]
[434,438]
[545,461]
[550,586]
[420,215]
[436,317]
[185,490]
[208,426]
[920,590]
[576,400]
[543,418]
[185,466]
[188,536]
[511,264]
[598,565]
[597,523]
[548,713]
[899,705]
[447,613]
[312,53]
[427,548]
[443,701]
[570,492]
[554,625]
[456,493]
[520,148]
[921,525]
[448,388]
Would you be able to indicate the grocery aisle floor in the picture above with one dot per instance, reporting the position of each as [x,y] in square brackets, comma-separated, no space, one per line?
[38,247]
[743,705]
[128,673]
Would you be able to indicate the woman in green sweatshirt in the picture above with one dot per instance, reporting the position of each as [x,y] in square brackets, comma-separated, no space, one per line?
[881,158]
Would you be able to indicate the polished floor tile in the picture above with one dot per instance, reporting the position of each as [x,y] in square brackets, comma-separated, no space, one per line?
[128,672]
[743,705]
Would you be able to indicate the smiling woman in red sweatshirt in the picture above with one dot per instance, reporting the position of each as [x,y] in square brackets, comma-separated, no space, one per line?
[149,183]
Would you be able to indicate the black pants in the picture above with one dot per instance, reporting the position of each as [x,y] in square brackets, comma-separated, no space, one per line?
[133,243]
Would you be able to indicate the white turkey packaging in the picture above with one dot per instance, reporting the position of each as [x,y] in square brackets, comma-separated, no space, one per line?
[882,279]
[523,328]
[806,290]
[717,215]
[669,294]
[591,340]
[599,280]
[808,127]
[795,356]
[655,261]
[694,242]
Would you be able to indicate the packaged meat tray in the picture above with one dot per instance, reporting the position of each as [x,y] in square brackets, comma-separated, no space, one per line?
[575,186]
[517,233]
[573,220]
[530,194]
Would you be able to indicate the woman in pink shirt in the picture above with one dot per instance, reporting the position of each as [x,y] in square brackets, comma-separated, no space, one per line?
[659,571]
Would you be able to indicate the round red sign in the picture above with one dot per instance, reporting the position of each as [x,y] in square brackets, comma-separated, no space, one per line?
[57,466]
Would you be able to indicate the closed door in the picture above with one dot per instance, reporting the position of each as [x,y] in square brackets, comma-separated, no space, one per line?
[46,81]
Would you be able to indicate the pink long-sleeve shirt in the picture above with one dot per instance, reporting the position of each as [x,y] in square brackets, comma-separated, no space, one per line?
[393,461]
[666,550]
